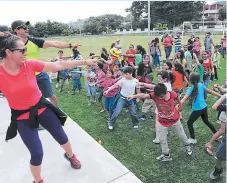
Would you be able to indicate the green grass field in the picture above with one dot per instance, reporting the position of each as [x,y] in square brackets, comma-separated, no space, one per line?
[134,148]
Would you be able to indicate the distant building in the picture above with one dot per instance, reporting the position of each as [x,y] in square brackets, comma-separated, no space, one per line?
[211,10]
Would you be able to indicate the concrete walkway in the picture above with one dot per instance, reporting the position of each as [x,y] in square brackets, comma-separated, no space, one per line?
[98,165]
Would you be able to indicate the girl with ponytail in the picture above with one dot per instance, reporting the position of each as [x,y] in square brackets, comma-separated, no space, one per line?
[199,106]
[180,78]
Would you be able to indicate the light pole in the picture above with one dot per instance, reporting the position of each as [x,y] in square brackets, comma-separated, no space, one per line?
[131,19]
[149,25]
[203,14]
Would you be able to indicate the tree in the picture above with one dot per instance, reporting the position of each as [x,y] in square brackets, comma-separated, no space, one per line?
[103,23]
[222,13]
[49,28]
[170,12]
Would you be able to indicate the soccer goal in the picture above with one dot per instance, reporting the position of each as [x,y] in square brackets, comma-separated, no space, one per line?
[203,26]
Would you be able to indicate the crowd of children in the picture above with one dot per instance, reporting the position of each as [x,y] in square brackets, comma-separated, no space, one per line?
[124,79]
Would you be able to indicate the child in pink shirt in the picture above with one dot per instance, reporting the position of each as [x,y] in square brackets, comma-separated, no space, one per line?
[197,46]
[105,83]
[100,74]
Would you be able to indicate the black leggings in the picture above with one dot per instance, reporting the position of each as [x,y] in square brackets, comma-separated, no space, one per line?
[194,116]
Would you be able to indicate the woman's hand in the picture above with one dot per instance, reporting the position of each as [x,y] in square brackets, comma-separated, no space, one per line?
[75,45]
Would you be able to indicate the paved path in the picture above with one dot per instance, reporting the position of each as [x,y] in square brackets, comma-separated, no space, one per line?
[98,165]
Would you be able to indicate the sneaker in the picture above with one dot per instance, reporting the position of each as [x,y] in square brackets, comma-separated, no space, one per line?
[75,163]
[41,127]
[110,127]
[216,174]
[57,85]
[135,126]
[141,119]
[192,141]
[156,140]
[189,150]
[218,121]
[151,117]
[164,157]
[89,103]
[103,110]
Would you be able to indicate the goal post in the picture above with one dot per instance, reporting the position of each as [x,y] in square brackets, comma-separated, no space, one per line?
[219,26]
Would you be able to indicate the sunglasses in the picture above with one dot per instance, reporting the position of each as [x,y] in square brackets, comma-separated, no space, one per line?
[21,27]
[20,50]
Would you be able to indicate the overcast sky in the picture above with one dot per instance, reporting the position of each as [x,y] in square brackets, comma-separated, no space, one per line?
[61,11]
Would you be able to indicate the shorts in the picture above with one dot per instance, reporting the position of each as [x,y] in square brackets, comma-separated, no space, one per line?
[221,151]
[223,117]
[77,84]
[45,87]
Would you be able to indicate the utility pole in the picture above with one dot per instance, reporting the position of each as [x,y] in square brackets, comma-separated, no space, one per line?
[149,25]
[203,14]
[131,20]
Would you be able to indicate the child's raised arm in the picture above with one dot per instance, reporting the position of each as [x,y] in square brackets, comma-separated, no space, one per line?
[185,98]
[146,85]
[219,102]
[196,59]
[139,96]
[98,82]
[116,85]
[213,92]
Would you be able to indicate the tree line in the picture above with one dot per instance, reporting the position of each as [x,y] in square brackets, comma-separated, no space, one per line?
[172,13]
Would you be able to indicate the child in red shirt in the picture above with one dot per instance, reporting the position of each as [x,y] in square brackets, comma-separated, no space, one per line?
[168,116]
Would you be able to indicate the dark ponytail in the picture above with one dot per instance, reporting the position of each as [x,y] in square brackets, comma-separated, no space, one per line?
[101,66]
[142,51]
[172,78]
[167,75]
[169,65]
[179,68]
[194,79]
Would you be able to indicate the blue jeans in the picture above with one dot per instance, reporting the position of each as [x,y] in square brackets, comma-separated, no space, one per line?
[90,91]
[121,103]
[168,51]
[157,59]
[223,51]
[44,84]
[206,83]
[177,48]
[109,102]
